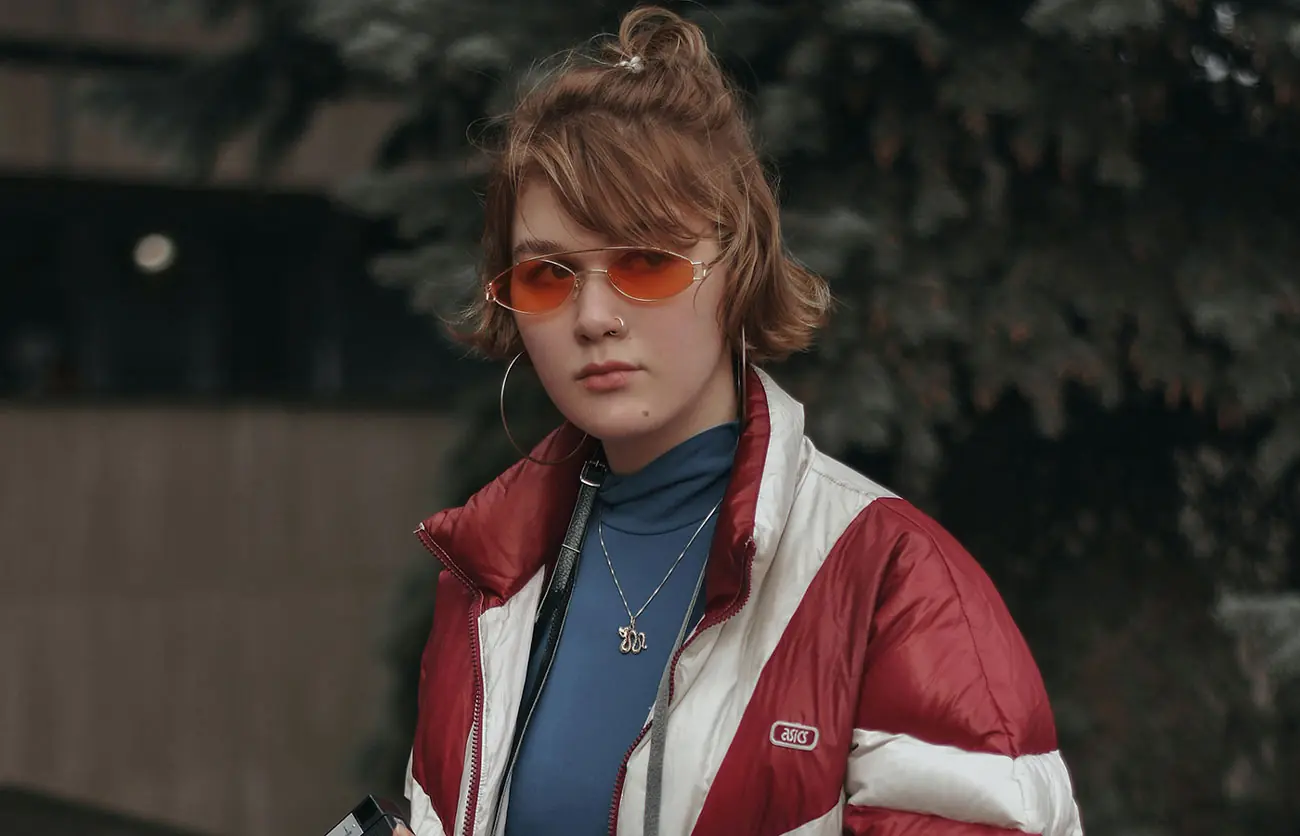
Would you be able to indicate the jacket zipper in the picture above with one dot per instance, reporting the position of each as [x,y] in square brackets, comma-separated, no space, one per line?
[476,730]
[706,624]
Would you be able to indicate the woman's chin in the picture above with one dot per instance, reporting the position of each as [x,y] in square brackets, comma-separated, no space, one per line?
[614,420]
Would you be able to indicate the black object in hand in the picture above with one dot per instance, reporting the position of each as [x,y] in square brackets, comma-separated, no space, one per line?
[372,817]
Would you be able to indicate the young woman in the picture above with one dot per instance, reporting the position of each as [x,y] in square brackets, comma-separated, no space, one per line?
[674,615]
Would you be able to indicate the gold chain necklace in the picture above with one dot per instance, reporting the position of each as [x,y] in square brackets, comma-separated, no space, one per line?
[631,640]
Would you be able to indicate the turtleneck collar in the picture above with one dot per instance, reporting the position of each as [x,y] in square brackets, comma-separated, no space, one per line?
[675,490]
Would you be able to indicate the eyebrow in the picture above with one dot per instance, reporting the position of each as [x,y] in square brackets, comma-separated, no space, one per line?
[535,246]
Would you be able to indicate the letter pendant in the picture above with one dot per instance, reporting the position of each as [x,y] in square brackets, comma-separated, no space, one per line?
[633,642]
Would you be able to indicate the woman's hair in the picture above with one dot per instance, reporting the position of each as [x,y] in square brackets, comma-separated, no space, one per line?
[637,141]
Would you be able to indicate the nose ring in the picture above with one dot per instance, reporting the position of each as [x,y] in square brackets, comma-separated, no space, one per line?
[614,332]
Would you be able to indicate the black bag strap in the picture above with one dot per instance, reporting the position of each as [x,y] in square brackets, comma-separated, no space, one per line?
[560,587]
[555,604]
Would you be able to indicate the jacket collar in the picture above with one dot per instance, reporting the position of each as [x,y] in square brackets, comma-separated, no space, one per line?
[505,533]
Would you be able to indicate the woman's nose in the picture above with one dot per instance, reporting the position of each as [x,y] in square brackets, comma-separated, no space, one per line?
[596,305]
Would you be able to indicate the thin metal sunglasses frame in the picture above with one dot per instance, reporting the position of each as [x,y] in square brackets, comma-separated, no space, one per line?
[701,272]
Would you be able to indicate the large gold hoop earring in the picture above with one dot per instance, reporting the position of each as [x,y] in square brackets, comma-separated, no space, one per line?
[510,436]
[742,378]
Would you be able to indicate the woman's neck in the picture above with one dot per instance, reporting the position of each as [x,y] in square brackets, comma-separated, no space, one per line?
[675,490]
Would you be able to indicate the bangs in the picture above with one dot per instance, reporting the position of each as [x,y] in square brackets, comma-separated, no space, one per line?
[632,184]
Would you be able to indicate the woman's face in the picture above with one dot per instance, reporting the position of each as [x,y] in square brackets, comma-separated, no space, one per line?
[680,382]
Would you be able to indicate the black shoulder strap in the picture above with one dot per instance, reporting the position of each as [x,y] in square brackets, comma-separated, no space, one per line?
[556,598]
[555,601]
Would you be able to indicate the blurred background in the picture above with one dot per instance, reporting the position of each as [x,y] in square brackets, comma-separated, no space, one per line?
[1061,233]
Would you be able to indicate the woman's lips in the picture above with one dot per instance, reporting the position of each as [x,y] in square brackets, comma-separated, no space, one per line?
[607,381]
[607,376]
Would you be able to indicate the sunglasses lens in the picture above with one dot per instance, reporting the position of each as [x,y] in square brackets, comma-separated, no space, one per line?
[651,275]
[533,286]
[541,284]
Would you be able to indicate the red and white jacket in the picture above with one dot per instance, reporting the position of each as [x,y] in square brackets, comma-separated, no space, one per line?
[855,671]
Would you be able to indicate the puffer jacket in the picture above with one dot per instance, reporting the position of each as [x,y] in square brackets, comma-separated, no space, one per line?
[855,671]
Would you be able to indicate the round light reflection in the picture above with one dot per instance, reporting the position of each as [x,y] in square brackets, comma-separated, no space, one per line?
[154,253]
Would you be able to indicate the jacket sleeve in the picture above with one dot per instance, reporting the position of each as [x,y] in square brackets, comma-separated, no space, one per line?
[954,735]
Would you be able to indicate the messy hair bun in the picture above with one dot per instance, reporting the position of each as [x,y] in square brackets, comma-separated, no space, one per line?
[660,38]
[643,140]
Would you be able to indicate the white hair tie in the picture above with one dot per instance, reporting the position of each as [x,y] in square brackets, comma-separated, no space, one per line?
[635,64]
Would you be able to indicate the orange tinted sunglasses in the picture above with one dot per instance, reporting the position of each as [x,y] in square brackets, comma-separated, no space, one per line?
[642,274]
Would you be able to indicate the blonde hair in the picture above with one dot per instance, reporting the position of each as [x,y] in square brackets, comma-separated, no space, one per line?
[635,139]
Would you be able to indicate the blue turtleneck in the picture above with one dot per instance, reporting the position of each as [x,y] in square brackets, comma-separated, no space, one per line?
[596,699]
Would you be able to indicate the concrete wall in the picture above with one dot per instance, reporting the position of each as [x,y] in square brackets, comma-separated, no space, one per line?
[191,604]
[341,141]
